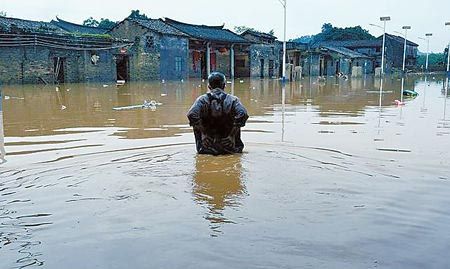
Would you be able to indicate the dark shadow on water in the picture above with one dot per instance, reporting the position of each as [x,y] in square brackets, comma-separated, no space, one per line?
[218,185]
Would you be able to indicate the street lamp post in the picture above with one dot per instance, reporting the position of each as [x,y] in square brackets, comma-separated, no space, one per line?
[448,54]
[384,20]
[284,4]
[428,49]
[406,28]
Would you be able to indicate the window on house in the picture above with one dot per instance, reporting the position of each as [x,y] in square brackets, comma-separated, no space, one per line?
[378,49]
[178,64]
[273,51]
[149,42]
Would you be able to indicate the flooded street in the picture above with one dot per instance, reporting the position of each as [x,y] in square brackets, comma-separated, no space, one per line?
[334,175]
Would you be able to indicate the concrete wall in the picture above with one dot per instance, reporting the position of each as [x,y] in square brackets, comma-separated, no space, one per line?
[24,65]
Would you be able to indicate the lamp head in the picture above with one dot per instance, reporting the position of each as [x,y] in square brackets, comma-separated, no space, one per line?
[385,18]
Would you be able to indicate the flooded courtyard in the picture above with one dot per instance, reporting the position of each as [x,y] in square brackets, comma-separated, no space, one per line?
[334,175]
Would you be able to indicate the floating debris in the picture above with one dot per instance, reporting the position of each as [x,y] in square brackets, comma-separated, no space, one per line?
[163,94]
[395,150]
[152,105]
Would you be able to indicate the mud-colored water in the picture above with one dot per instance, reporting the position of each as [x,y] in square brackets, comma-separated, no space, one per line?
[334,175]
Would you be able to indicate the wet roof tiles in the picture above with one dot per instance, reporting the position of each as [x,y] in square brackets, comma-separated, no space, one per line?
[207,33]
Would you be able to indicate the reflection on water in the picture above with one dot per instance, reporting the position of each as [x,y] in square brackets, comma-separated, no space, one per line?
[331,177]
[217,184]
[2,136]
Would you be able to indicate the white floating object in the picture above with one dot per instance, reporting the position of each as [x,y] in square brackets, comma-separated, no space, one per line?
[163,94]
[7,97]
[105,86]
[241,81]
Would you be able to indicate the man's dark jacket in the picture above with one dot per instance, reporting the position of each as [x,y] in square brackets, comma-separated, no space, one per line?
[217,118]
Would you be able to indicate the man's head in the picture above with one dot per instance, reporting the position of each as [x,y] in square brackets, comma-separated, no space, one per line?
[216,80]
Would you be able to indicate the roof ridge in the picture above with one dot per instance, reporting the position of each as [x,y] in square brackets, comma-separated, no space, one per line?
[79,25]
[168,20]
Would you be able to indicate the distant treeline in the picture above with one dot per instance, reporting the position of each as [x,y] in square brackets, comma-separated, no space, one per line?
[331,33]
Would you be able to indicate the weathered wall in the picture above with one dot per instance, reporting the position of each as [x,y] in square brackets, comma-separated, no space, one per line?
[267,53]
[144,56]
[24,65]
[171,48]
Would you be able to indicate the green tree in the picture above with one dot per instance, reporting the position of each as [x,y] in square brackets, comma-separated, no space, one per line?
[434,59]
[136,14]
[242,28]
[3,14]
[91,22]
[106,24]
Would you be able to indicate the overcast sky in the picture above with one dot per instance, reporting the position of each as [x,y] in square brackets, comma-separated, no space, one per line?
[305,17]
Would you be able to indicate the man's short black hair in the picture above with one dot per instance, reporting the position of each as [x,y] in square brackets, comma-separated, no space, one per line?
[217,80]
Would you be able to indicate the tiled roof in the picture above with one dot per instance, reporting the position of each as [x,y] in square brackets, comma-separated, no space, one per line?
[400,39]
[158,26]
[77,28]
[13,24]
[344,51]
[208,33]
[259,34]
[351,43]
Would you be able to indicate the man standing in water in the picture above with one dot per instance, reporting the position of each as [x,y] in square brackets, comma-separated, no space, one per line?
[217,118]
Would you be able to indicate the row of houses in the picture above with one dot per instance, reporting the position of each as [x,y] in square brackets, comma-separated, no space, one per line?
[139,49]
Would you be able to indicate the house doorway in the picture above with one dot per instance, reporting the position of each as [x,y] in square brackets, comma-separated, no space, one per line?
[262,68]
[271,68]
[123,67]
[58,69]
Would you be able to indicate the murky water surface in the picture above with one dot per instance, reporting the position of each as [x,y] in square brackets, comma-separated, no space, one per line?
[334,175]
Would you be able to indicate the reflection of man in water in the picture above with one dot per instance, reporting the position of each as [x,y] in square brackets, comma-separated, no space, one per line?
[217,118]
[217,184]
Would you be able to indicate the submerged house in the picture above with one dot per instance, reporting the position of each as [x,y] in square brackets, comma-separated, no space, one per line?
[332,57]
[213,48]
[42,52]
[394,51]
[159,52]
[264,55]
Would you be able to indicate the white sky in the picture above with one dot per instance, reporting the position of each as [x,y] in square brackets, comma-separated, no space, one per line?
[305,17]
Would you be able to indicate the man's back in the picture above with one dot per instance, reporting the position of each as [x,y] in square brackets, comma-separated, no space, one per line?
[217,118]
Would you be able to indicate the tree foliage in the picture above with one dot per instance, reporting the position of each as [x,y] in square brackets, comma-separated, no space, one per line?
[103,23]
[331,33]
[91,22]
[3,14]
[242,28]
[136,14]
[434,59]
[106,24]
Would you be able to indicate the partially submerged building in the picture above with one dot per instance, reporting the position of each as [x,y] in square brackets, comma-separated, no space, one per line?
[159,52]
[41,52]
[333,57]
[213,48]
[264,55]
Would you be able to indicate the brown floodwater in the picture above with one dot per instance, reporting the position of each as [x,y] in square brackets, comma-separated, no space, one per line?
[334,175]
